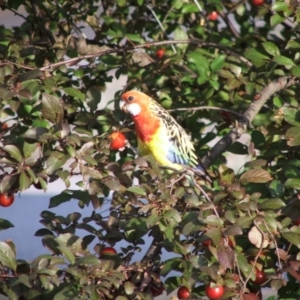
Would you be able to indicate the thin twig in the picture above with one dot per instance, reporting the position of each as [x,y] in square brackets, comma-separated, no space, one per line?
[147,45]
[161,26]
[198,5]
[240,116]
[275,243]
[273,87]
[206,196]
[229,24]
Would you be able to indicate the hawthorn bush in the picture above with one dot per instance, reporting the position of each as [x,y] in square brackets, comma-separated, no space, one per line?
[220,78]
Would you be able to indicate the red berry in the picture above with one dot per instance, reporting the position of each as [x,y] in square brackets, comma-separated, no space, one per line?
[4,126]
[6,199]
[108,251]
[160,53]
[260,276]
[183,292]
[118,141]
[213,16]
[297,222]
[214,292]
[258,2]
[206,243]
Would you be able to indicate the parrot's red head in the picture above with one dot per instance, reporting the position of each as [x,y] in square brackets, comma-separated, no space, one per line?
[134,102]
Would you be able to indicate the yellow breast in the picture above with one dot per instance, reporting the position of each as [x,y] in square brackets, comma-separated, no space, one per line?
[158,147]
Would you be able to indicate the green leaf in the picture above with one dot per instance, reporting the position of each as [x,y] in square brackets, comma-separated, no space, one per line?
[24,181]
[88,260]
[137,190]
[213,220]
[293,136]
[284,61]
[7,256]
[29,149]
[74,93]
[93,97]
[129,287]
[4,224]
[293,183]
[271,48]
[279,6]
[189,8]
[238,148]
[180,34]
[112,183]
[14,152]
[291,115]
[296,71]
[174,214]
[276,19]
[256,57]
[67,253]
[292,237]
[218,63]
[7,182]
[153,220]
[274,203]
[35,132]
[59,199]
[55,161]
[121,3]
[276,188]
[135,229]
[30,75]
[52,109]
[256,175]
[292,44]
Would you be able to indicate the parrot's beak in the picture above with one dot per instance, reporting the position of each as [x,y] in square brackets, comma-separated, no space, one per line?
[123,106]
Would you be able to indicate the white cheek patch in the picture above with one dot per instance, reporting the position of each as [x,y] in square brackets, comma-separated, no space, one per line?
[133,109]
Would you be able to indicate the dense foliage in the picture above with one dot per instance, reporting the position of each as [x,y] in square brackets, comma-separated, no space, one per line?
[241,233]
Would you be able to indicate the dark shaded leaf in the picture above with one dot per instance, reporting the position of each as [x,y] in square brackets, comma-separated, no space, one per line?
[5,224]
[225,256]
[52,109]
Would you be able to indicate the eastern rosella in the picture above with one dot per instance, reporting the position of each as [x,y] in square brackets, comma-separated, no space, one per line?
[159,134]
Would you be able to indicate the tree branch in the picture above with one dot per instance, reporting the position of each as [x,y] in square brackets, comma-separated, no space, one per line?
[81,47]
[195,108]
[272,88]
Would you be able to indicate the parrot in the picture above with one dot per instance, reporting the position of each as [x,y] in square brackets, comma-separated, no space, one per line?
[160,135]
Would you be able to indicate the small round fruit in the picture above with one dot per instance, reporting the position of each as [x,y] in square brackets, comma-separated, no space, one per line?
[297,222]
[118,141]
[214,292]
[206,243]
[4,126]
[183,292]
[6,199]
[258,2]
[260,276]
[108,251]
[213,16]
[160,53]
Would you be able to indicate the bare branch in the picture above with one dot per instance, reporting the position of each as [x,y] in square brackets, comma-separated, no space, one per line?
[238,115]
[147,45]
[272,88]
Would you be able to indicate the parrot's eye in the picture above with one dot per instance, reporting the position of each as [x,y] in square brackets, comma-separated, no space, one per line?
[130,98]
